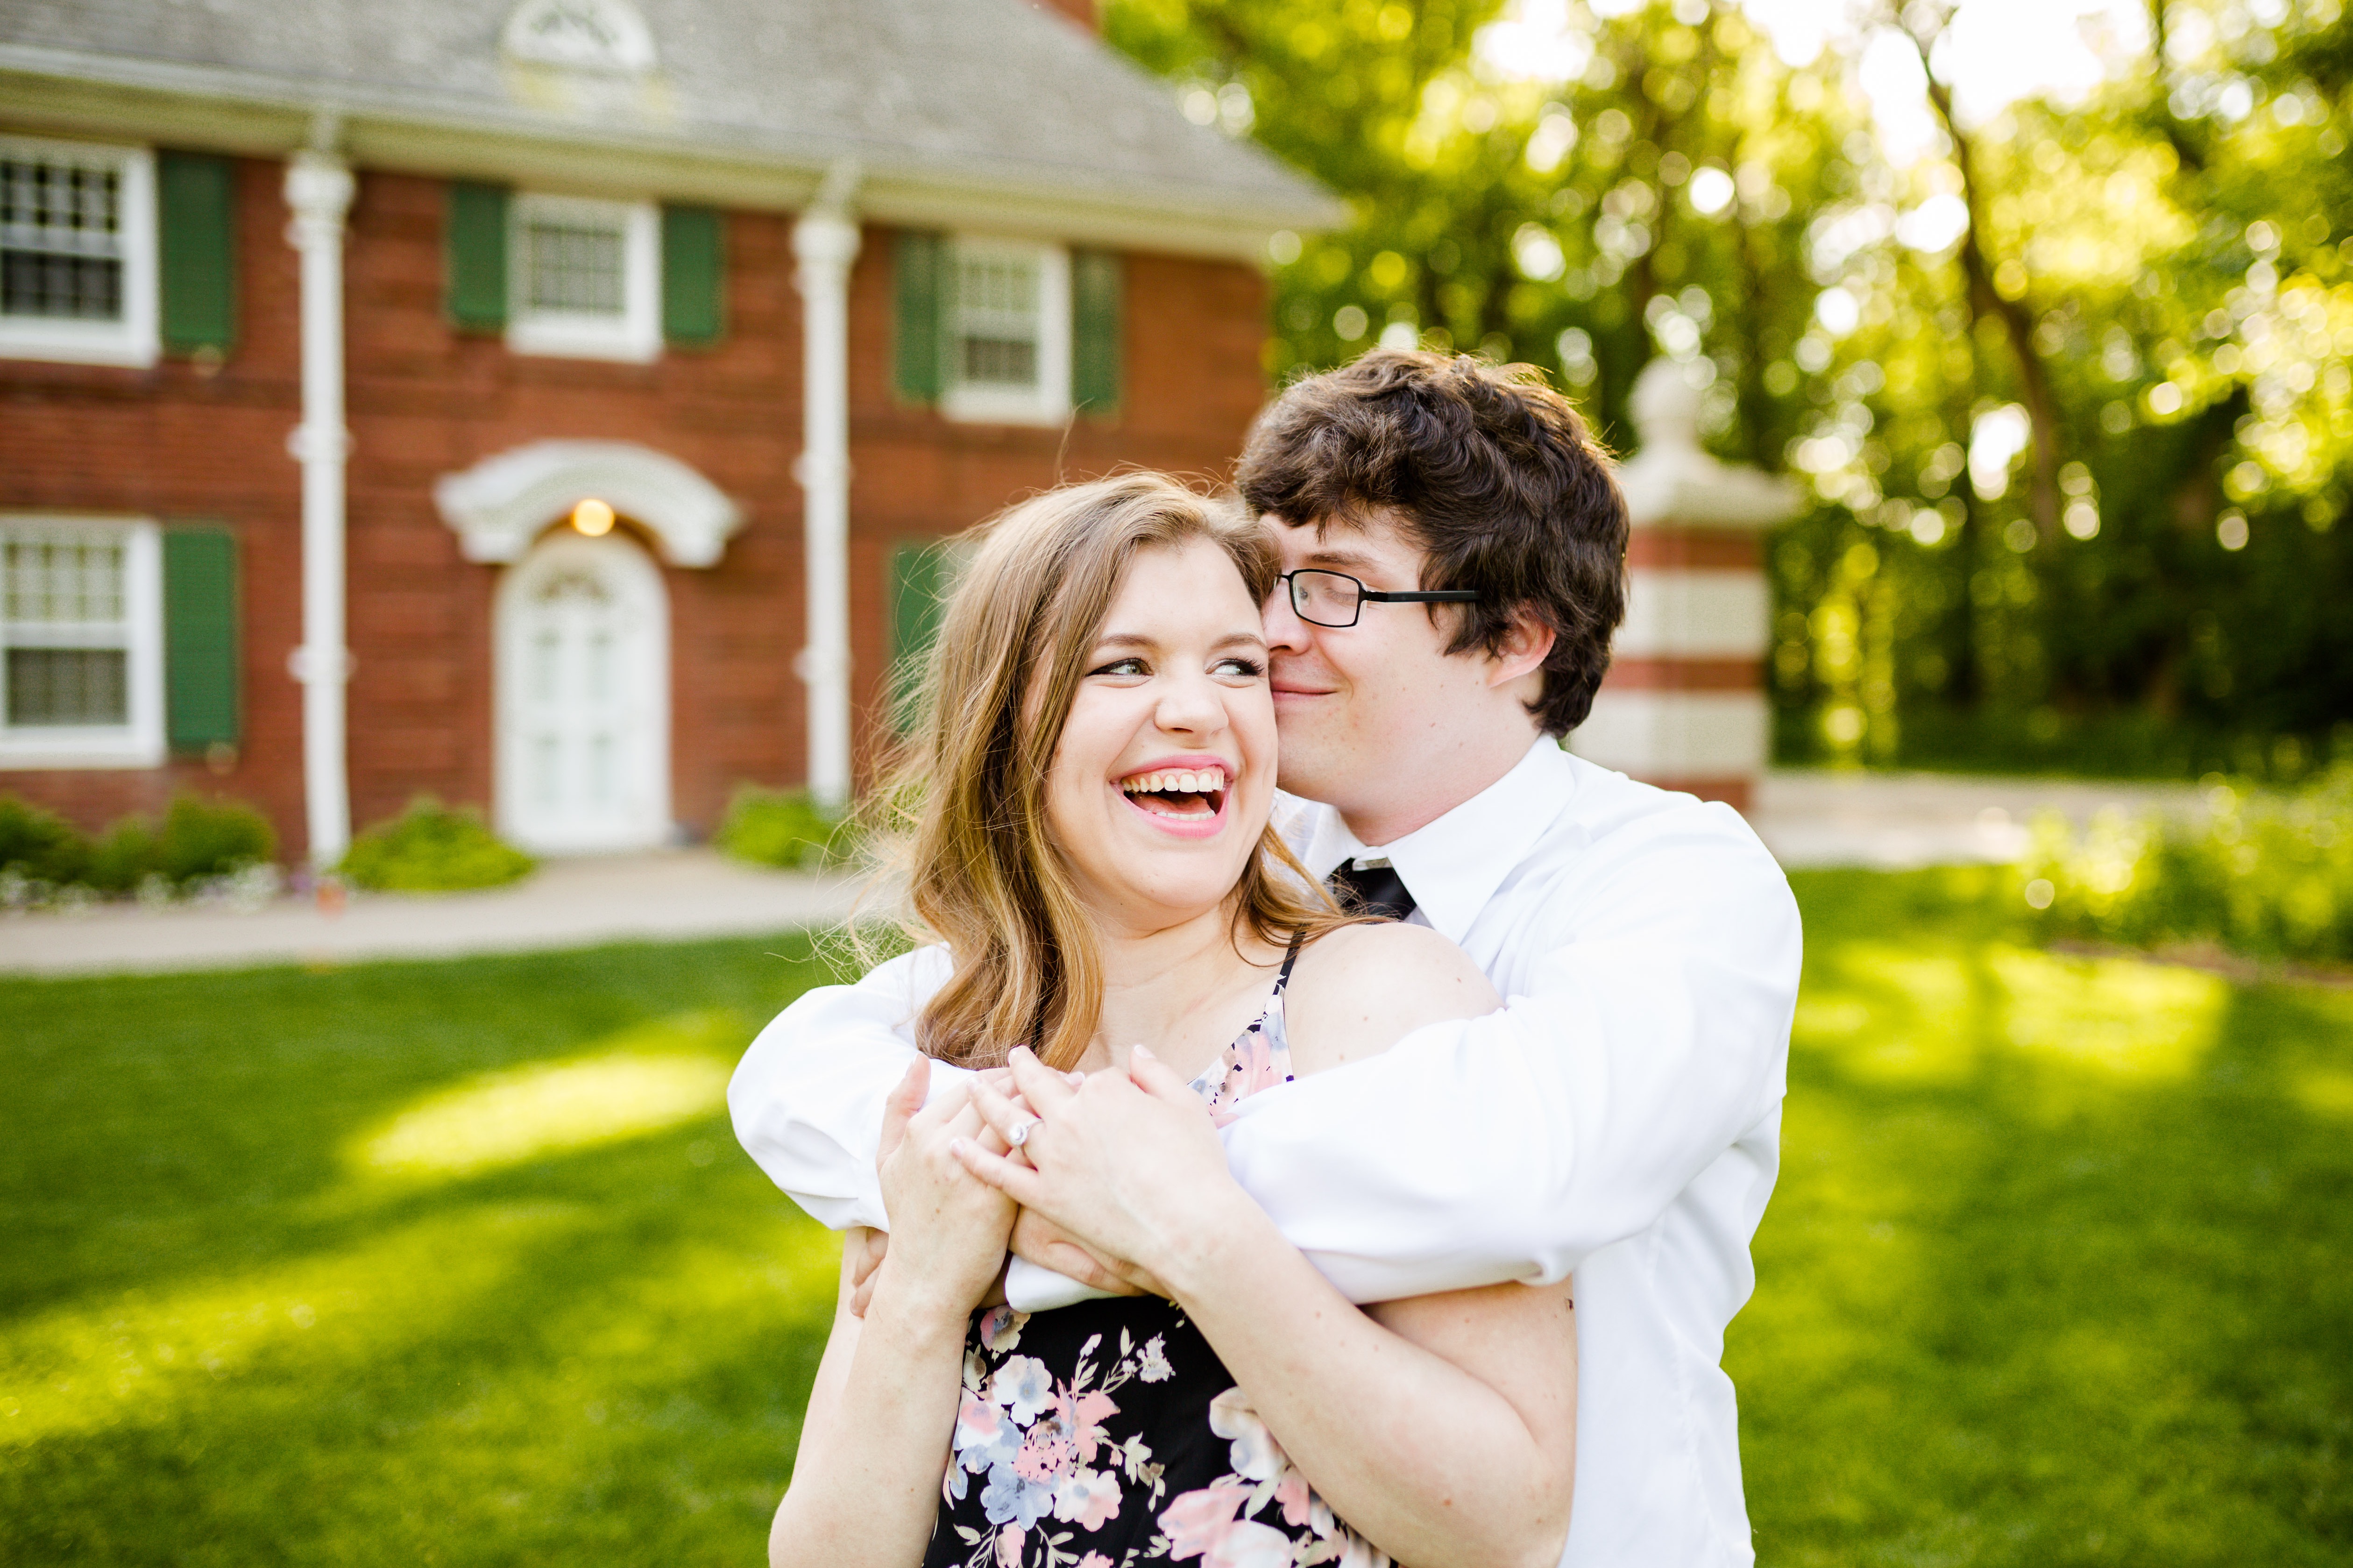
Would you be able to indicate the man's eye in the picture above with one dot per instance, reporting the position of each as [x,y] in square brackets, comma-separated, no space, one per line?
[1121,667]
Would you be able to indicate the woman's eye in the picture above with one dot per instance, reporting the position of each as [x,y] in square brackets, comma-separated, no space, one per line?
[1240,668]
[1123,667]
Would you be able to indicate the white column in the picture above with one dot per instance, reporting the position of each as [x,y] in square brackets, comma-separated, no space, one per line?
[1684,704]
[319,192]
[825,242]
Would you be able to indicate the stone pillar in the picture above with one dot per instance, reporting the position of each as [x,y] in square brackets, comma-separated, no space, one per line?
[1684,707]
[825,242]
[319,192]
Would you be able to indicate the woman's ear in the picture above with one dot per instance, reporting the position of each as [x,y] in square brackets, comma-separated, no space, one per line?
[1525,648]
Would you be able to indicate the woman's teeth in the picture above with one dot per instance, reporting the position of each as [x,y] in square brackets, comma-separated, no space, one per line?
[1178,791]
[1176,781]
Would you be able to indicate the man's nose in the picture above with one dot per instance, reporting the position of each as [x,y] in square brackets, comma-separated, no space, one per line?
[1285,632]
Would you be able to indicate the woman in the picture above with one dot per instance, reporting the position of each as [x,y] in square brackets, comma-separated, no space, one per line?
[1096,773]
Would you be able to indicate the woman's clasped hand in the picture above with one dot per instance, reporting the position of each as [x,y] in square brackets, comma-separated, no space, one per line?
[1128,1163]
[948,1231]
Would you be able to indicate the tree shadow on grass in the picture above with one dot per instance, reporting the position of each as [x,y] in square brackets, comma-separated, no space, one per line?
[2049,1276]
[227,1345]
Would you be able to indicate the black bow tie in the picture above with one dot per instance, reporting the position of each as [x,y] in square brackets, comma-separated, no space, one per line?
[1370,890]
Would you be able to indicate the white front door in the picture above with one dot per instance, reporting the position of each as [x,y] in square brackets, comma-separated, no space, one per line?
[583,697]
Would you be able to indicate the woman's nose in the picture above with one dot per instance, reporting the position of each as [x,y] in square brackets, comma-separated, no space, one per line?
[1193,705]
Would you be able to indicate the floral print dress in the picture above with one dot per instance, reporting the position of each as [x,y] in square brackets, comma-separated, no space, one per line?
[1108,1435]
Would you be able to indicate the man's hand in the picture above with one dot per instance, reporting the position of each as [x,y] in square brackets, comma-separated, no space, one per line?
[1049,1245]
[863,1249]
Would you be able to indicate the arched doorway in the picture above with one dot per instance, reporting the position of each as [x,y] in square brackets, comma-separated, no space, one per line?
[582,697]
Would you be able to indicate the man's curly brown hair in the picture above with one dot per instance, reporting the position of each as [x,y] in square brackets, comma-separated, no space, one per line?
[1491,471]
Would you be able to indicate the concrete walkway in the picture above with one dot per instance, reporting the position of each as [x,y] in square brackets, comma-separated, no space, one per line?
[1895,821]
[1887,820]
[668,895]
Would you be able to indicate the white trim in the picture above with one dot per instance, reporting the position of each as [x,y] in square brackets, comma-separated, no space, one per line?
[618,561]
[503,503]
[138,743]
[1049,404]
[134,340]
[635,335]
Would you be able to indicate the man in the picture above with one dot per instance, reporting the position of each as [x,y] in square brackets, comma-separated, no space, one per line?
[1619,1118]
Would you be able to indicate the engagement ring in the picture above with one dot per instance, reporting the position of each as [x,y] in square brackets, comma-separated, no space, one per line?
[1020,1133]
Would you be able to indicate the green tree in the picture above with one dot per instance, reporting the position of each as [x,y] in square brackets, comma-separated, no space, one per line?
[2070,388]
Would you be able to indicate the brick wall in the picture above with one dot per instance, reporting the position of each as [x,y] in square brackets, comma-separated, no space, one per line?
[198,442]
[182,440]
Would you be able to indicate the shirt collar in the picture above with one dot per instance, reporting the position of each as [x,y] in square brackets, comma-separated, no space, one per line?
[1453,865]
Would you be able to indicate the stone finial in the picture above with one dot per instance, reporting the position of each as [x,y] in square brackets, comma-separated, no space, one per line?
[1672,481]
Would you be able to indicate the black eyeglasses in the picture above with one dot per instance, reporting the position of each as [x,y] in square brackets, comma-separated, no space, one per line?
[1335,599]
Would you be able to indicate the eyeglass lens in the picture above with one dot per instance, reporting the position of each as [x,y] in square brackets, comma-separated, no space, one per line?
[1324,599]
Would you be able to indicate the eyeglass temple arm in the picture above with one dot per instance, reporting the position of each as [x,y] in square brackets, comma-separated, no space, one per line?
[1423,596]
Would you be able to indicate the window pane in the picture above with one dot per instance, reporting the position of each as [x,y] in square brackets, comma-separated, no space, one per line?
[997,307]
[62,582]
[60,239]
[1003,362]
[573,267]
[68,686]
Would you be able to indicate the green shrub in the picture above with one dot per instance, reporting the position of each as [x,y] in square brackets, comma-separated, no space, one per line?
[211,838]
[431,848]
[123,856]
[781,827]
[2265,873]
[199,840]
[40,845]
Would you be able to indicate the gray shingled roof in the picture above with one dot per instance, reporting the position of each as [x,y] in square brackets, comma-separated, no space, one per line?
[990,94]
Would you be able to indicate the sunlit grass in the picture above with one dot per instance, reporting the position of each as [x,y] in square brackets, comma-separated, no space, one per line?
[652,1076]
[450,1264]
[2055,1270]
[457,1264]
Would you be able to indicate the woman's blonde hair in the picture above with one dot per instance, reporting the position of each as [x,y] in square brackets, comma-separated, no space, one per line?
[979,866]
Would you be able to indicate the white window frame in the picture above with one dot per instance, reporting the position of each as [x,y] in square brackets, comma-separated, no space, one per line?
[1050,403]
[635,335]
[134,340]
[138,742]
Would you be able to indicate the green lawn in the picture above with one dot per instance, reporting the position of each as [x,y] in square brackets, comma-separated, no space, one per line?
[458,1264]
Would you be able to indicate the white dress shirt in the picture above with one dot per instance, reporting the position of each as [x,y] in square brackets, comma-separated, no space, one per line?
[1618,1119]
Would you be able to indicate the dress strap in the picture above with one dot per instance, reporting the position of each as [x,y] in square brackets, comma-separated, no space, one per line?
[1298,940]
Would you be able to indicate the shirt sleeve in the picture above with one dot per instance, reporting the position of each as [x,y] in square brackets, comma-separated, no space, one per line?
[807,1099]
[1654,1035]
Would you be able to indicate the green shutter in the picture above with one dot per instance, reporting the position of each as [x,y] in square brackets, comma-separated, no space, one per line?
[693,253]
[195,212]
[200,637]
[921,268]
[477,258]
[1095,331]
[921,572]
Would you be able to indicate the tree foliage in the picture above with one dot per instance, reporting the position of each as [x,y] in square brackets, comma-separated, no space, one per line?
[2070,386]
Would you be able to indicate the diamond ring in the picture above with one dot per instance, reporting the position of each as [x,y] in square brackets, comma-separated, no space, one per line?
[1020,1133]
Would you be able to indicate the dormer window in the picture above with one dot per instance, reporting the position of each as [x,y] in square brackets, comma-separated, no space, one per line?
[585,278]
[584,35]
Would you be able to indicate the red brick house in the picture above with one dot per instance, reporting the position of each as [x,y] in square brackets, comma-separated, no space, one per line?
[548,407]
